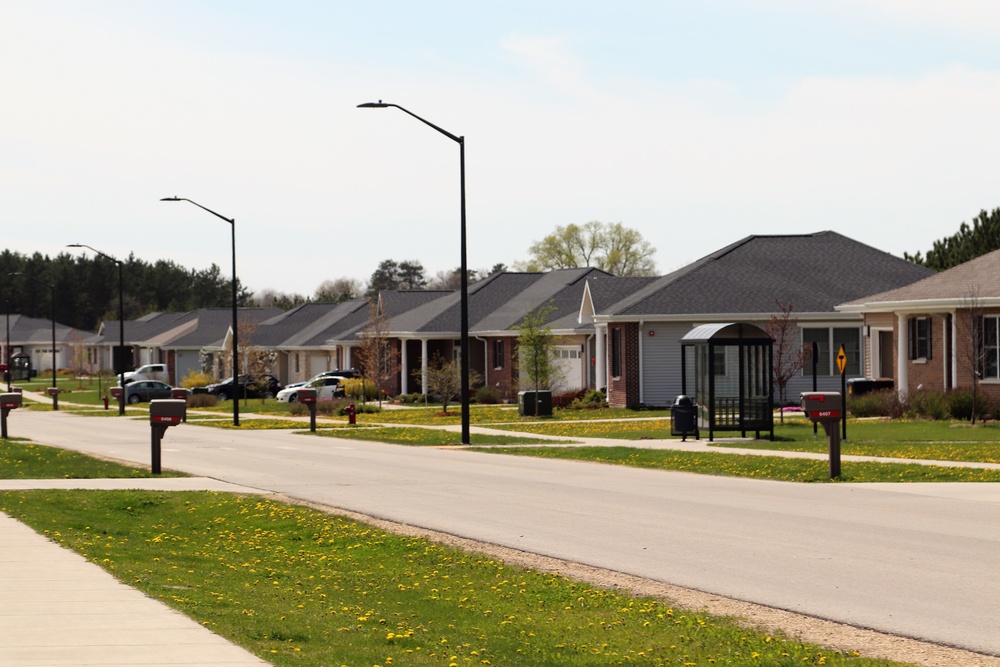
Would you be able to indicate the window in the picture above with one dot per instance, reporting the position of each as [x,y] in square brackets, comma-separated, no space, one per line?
[567,353]
[718,360]
[991,347]
[920,337]
[828,341]
[498,354]
[616,352]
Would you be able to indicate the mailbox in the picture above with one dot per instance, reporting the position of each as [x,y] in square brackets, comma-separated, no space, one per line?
[9,401]
[822,406]
[169,411]
[163,413]
[180,392]
[307,395]
[116,392]
[826,408]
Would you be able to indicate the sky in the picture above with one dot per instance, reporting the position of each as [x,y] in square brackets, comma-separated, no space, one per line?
[695,123]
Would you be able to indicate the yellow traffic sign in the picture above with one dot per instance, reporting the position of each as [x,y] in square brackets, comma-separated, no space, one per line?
[842,360]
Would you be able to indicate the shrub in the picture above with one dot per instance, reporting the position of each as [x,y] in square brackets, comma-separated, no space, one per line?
[929,404]
[353,388]
[487,395]
[364,408]
[411,398]
[591,400]
[195,379]
[202,400]
[564,400]
[960,404]
[882,403]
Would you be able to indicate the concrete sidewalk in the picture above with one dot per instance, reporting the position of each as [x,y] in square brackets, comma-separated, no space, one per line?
[56,608]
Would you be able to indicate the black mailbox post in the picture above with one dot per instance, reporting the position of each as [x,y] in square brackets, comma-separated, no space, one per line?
[826,408]
[163,412]
[307,397]
[8,402]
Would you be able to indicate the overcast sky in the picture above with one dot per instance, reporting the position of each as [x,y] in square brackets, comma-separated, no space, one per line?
[696,123]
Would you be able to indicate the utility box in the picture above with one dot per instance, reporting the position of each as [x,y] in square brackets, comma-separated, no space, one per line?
[534,403]
[826,408]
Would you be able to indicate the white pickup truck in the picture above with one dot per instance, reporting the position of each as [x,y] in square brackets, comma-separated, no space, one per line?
[148,372]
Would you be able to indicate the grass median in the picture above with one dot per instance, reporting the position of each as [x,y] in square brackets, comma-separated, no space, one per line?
[299,587]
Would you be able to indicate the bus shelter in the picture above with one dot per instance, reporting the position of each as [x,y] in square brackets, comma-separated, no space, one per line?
[729,368]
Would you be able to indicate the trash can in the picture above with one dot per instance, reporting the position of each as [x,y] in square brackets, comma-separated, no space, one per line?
[683,417]
[534,404]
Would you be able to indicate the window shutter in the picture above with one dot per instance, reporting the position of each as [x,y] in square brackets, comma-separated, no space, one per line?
[911,338]
[930,346]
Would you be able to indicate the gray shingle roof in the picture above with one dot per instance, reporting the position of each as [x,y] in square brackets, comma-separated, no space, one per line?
[812,272]
[978,278]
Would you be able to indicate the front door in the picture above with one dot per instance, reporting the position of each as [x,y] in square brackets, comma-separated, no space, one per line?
[885,354]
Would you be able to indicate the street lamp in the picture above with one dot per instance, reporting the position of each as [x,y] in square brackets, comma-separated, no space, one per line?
[236,356]
[51,286]
[464,308]
[121,321]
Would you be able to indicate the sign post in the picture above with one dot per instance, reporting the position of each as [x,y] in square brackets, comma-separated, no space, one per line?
[842,367]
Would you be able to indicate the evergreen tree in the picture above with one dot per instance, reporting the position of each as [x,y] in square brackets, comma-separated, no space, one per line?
[968,243]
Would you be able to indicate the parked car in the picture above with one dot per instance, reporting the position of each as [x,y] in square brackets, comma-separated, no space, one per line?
[147,372]
[327,388]
[265,386]
[146,390]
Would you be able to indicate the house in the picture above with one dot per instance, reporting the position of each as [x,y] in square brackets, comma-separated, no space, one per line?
[936,333]
[639,322]
[33,336]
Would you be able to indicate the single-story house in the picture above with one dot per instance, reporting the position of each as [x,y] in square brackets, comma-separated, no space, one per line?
[639,322]
[936,333]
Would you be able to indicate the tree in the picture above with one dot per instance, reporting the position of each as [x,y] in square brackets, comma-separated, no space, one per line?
[968,243]
[339,290]
[970,341]
[379,358]
[270,298]
[444,380]
[535,347]
[610,247]
[788,354]
[393,275]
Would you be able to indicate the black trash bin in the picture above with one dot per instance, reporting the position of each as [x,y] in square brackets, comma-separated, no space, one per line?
[684,417]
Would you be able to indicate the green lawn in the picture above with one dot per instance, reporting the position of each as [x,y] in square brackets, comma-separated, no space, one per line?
[301,588]
[20,459]
[757,467]
[933,440]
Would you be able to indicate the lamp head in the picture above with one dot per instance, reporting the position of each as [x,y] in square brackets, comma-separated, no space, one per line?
[74,245]
[171,199]
[374,105]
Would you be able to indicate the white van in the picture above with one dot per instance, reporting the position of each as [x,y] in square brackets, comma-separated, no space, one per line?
[148,372]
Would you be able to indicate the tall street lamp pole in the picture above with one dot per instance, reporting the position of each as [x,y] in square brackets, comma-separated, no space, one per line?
[464,285]
[121,320]
[7,347]
[236,356]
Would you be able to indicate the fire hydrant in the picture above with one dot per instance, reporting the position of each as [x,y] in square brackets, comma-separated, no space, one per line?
[352,413]
[105,397]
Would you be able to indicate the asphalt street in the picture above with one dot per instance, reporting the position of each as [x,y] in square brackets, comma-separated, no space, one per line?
[917,560]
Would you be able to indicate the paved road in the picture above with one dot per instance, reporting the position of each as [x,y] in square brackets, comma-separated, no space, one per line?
[921,561]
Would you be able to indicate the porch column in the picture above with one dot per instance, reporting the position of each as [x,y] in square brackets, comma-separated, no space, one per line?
[404,382]
[347,357]
[902,357]
[423,366]
[600,356]
[954,349]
